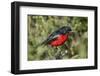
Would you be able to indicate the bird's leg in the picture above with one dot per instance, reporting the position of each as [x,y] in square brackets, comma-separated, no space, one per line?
[58,54]
[53,55]
[55,49]
[69,51]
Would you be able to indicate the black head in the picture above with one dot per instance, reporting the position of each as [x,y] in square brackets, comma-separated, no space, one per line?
[65,29]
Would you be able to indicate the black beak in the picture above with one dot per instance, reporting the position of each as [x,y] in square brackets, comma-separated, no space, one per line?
[71,33]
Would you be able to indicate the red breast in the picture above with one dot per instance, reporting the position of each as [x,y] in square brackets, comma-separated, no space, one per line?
[59,41]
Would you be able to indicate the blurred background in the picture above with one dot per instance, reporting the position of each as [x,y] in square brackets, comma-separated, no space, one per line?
[41,26]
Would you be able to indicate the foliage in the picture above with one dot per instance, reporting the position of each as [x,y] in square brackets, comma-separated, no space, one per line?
[40,27]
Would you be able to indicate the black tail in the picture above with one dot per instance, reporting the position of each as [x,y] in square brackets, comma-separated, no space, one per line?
[40,44]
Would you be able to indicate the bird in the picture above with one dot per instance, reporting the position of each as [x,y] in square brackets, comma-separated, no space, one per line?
[58,37]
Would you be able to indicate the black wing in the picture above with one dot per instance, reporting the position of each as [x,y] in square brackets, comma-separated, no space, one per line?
[52,37]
